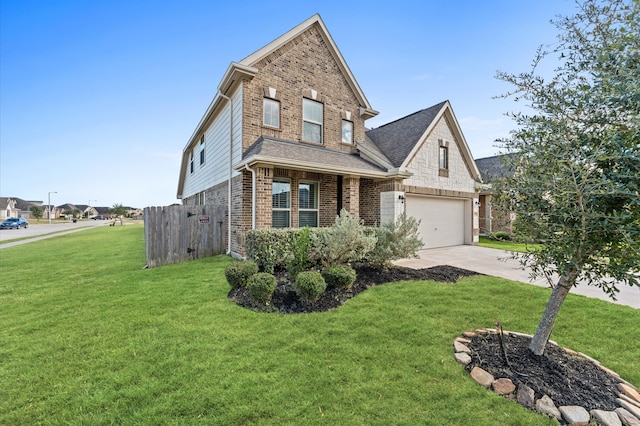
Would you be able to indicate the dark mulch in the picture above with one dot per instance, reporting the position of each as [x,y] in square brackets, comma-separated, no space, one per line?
[286,301]
[567,379]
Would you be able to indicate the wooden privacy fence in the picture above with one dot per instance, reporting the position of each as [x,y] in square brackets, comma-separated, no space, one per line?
[178,233]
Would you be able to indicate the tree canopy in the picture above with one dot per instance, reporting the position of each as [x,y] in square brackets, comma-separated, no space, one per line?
[576,185]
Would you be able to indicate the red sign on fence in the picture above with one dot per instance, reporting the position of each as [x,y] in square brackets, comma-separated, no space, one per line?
[203,219]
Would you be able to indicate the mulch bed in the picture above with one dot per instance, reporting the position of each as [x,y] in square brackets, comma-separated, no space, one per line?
[566,378]
[286,301]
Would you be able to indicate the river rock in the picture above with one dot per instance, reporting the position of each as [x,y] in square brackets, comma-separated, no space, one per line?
[605,418]
[504,387]
[575,415]
[462,358]
[482,377]
[546,406]
[627,418]
[629,391]
[526,396]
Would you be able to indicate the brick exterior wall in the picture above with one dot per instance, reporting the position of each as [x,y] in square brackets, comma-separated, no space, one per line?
[369,202]
[294,70]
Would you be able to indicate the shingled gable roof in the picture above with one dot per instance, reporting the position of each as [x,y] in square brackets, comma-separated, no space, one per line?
[398,138]
[296,155]
[245,69]
[401,139]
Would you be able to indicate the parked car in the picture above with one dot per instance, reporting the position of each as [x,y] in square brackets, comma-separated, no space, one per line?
[98,217]
[14,223]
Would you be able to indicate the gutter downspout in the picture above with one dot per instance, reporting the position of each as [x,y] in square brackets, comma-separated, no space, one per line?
[253,195]
[228,99]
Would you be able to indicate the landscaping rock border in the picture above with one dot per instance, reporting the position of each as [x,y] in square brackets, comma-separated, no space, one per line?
[628,396]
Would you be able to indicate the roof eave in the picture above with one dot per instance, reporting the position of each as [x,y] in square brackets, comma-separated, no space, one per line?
[309,165]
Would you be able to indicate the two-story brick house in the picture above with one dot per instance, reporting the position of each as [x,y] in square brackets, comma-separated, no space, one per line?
[283,143]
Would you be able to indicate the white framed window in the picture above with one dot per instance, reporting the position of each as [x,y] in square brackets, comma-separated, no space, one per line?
[281,203]
[202,150]
[200,198]
[271,112]
[191,161]
[308,204]
[347,132]
[443,158]
[312,119]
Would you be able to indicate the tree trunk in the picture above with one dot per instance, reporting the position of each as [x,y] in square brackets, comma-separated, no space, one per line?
[559,293]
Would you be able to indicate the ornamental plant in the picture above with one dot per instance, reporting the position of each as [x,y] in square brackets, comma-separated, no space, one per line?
[261,287]
[310,285]
[339,276]
[238,272]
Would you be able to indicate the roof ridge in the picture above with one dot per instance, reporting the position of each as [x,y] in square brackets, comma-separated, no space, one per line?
[409,115]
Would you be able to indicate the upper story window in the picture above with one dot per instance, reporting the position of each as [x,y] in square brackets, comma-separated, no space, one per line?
[347,132]
[281,203]
[271,112]
[202,150]
[191,162]
[312,116]
[443,158]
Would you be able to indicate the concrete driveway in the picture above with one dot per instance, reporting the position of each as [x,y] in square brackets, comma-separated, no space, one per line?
[493,262]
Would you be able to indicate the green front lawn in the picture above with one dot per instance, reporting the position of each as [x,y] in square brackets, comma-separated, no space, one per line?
[506,245]
[89,337]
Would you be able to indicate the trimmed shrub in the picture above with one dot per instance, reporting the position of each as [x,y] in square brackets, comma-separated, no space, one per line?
[261,287]
[238,272]
[339,276]
[501,236]
[395,240]
[310,285]
[269,247]
[345,241]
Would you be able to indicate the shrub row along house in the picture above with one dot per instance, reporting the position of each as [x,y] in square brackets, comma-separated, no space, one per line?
[284,144]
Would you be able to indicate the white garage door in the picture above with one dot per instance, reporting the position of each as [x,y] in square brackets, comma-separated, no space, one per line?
[443,220]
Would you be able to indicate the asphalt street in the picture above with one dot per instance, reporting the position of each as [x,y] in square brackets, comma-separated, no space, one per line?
[39,231]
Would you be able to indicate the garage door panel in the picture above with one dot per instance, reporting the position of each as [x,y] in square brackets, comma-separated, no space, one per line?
[442,220]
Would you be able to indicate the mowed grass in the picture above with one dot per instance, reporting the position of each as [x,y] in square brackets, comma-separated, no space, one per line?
[506,245]
[89,337]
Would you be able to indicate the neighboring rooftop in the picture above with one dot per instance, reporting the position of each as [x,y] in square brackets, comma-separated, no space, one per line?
[492,168]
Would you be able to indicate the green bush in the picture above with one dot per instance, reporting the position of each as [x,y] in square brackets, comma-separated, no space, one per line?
[501,236]
[339,276]
[301,247]
[238,272]
[261,287]
[345,241]
[310,285]
[395,240]
[269,247]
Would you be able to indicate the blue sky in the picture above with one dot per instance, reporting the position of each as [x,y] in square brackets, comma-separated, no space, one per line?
[98,98]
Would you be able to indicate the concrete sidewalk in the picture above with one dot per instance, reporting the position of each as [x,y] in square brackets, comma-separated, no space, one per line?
[493,262]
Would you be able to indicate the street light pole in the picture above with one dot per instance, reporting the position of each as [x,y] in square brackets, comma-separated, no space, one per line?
[49,204]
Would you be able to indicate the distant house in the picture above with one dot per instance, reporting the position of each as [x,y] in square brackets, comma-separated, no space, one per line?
[284,144]
[8,208]
[491,219]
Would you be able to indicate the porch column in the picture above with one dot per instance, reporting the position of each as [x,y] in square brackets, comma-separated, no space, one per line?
[351,194]
[264,182]
[391,206]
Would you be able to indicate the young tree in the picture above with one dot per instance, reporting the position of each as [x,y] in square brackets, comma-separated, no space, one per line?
[36,211]
[119,210]
[577,156]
